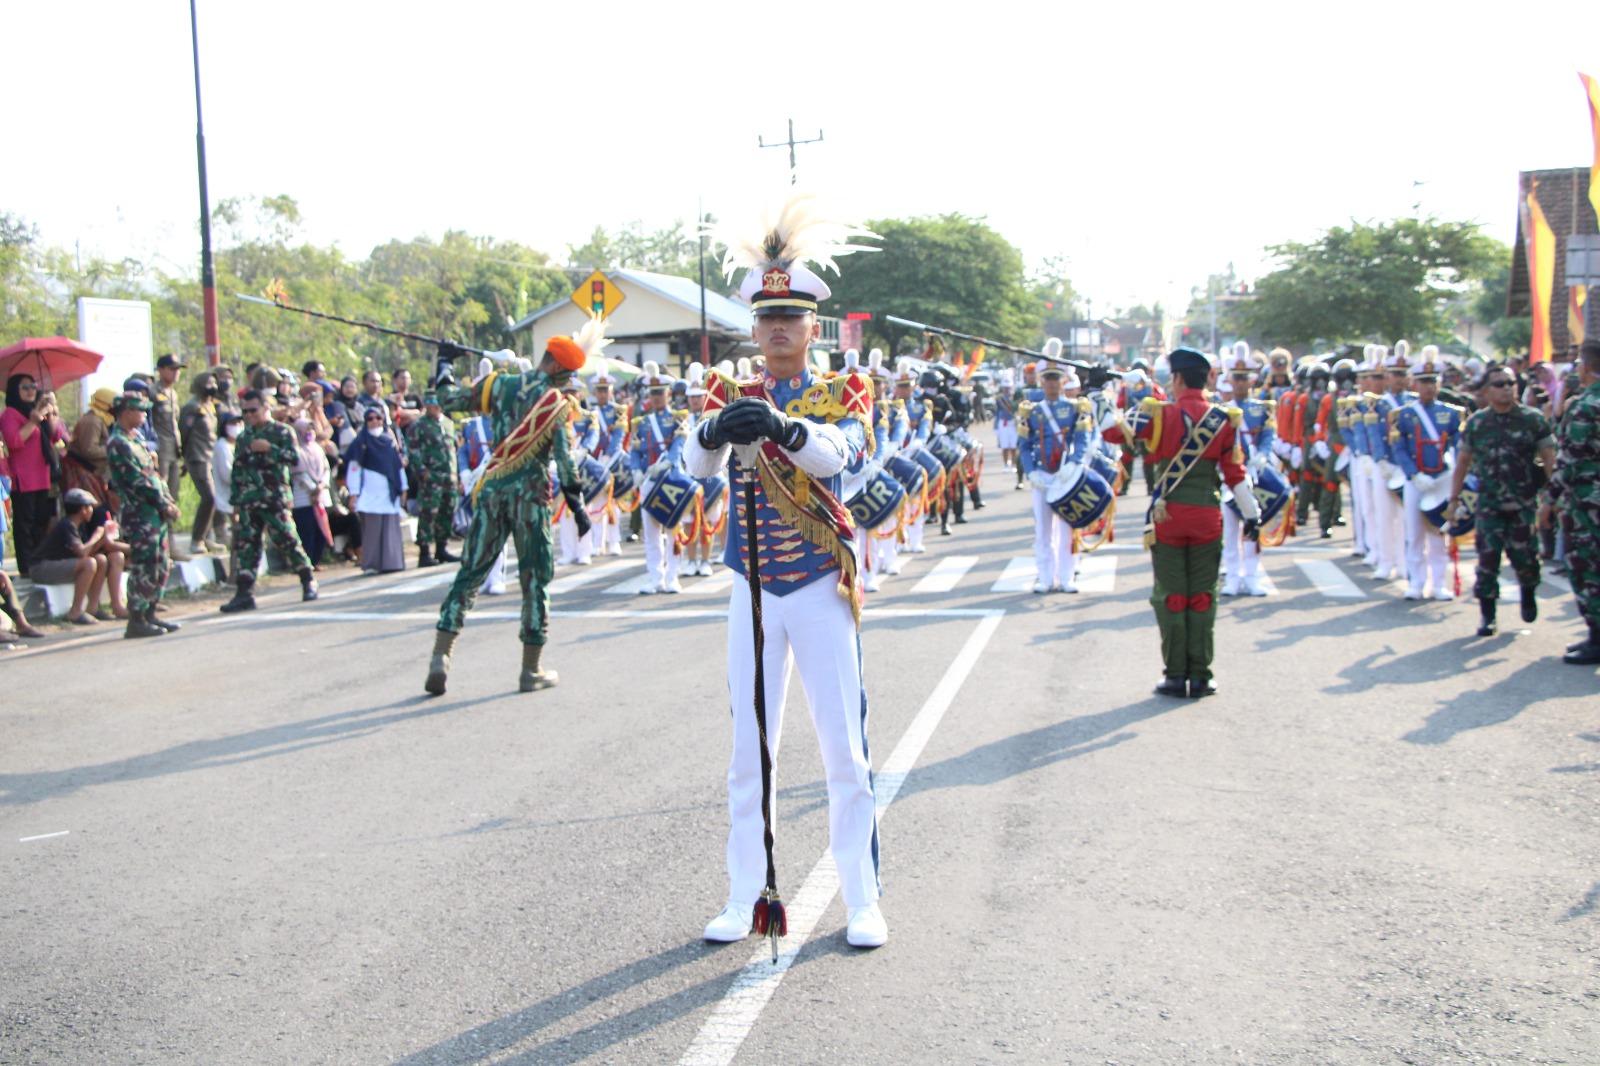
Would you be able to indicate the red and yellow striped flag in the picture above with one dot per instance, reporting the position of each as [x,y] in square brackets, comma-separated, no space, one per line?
[1592,88]
[1540,244]
[1577,296]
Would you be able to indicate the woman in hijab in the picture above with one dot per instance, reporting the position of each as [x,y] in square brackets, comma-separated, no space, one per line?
[310,490]
[87,466]
[31,430]
[376,479]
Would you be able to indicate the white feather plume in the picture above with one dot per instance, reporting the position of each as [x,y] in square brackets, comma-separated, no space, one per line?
[1402,352]
[852,358]
[1052,347]
[591,337]
[796,232]
[743,367]
[697,374]
[1241,352]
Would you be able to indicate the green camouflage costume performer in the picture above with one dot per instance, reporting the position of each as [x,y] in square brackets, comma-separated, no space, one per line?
[433,463]
[148,512]
[1576,489]
[511,498]
[263,458]
[1501,443]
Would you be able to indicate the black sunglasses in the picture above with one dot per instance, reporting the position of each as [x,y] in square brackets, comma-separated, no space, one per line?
[1500,384]
[249,410]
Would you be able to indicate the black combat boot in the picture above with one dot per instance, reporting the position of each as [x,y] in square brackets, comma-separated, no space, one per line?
[1588,653]
[977,499]
[244,599]
[1487,628]
[961,505]
[308,586]
[1173,686]
[444,643]
[1201,687]
[441,552]
[1530,605]
[140,624]
[944,522]
[170,627]
[424,556]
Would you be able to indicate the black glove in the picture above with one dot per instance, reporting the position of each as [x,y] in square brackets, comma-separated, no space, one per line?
[1252,530]
[712,432]
[742,421]
[444,373]
[774,425]
[580,516]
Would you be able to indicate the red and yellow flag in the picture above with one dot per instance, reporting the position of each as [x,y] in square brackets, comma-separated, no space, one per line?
[1577,296]
[1592,88]
[1540,244]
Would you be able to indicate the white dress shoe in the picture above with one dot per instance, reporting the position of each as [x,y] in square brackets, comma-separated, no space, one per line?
[1070,586]
[1414,594]
[1255,588]
[873,582]
[1040,588]
[648,590]
[1230,587]
[1444,594]
[672,588]
[733,924]
[865,929]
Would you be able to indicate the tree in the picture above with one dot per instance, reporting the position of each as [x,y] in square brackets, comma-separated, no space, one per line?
[1507,333]
[1051,290]
[672,250]
[950,271]
[1389,280]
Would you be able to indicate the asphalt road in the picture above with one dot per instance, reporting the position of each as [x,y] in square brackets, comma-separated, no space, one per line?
[256,841]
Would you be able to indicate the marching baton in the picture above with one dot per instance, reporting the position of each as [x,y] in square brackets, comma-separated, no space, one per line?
[438,342]
[769,919]
[1089,369]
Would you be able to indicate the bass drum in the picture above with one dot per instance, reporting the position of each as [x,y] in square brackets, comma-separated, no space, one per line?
[1272,495]
[878,501]
[931,467]
[947,450]
[712,489]
[907,472]
[593,479]
[668,497]
[1083,496]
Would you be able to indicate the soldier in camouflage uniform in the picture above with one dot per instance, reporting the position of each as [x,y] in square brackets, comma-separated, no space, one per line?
[512,496]
[147,514]
[1502,442]
[264,454]
[1576,489]
[433,463]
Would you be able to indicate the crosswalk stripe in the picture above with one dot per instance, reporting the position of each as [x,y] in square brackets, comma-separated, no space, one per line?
[1329,579]
[422,584]
[631,586]
[588,574]
[1097,573]
[1017,576]
[720,581]
[945,574]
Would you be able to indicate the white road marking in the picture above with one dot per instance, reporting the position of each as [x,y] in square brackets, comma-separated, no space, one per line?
[1329,579]
[421,584]
[945,574]
[43,836]
[631,586]
[719,582]
[665,613]
[587,574]
[1017,576]
[1097,573]
[720,1038]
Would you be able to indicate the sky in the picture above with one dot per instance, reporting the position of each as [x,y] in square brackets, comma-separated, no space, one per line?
[1148,144]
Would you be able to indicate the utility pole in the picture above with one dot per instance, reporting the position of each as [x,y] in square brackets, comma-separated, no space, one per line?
[791,143]
[208,273]
[705,335]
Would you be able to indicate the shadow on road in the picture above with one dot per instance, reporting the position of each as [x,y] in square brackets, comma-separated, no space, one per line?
[495,1040]
[1024,752]
[268,742]
[1500,702]
[1586,906]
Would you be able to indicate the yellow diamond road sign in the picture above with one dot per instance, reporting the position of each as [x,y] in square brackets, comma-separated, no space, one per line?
[597,294]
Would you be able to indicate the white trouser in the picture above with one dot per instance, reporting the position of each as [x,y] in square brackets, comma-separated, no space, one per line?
[1426,552]
[1005,435]
[810,628]
[1241,561]
[1391,538]
[886,553]
[1371,485]
[660,556]
[708,546]
[914,532]
[573,547]
[1053,558]
[495,583]
[1358,504]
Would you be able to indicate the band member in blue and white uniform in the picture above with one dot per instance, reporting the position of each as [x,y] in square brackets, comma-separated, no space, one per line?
[1256,435]
[657,447]
[576,550]
[1057,431]
[1425,436]
[1005,416]
[792,445]
[611,452]
[918,431]
[1390,513]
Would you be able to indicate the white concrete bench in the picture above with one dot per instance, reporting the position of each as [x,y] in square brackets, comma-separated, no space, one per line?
[44,602]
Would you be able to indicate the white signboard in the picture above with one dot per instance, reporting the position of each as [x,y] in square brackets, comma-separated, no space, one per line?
[119,330]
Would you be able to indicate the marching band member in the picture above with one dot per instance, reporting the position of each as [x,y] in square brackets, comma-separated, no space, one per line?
[610,450]
[1005,417]
[512,496]
[919,430]
[657,447]
[713,491]
[1195,446]
[789,446]
[1424,440]
[576,550]
[1256,434]
[1389,512]
[1057,432]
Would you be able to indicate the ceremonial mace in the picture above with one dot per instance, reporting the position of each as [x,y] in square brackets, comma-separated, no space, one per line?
[769,919]
[449,349]
[1093,376]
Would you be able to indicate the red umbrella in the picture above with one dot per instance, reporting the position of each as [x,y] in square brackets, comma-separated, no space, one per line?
[51,361]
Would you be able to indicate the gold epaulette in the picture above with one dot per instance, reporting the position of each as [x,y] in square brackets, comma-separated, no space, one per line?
[1235,414]
[682,415]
